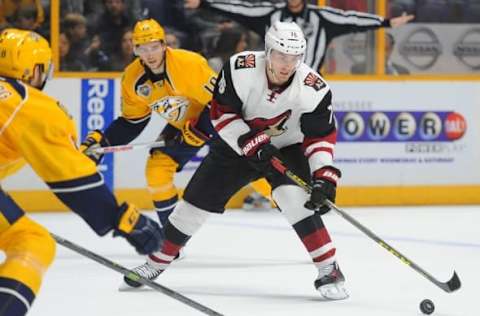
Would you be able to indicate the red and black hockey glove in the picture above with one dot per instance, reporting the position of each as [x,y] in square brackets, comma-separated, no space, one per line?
[324,186]
[259,151]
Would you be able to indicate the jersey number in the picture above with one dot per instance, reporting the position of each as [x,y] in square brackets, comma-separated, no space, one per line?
[210,85]
[330,108]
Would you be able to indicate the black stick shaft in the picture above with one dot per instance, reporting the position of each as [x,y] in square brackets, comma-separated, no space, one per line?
[451,285]
[132,275]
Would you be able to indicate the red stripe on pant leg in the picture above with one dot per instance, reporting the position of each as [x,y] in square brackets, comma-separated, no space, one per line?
[158,260]
[325,256]
[170,249]
[317,239]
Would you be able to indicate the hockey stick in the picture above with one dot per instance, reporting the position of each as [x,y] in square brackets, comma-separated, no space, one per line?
[451,285]
[133,276]
[118,148]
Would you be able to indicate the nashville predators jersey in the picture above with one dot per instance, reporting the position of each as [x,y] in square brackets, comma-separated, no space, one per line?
[179,94]
[36,129]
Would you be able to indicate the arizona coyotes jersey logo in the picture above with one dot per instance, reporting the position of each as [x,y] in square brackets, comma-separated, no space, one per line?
[246,61]
[273,126]
[314,81]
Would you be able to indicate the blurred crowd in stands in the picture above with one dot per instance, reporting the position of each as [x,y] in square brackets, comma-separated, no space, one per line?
[95,34]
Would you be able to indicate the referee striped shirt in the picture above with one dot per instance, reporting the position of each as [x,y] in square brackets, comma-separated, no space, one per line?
[319,24]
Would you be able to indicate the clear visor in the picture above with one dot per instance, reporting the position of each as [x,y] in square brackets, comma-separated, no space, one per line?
[49,73]
[285,59]
[148,48]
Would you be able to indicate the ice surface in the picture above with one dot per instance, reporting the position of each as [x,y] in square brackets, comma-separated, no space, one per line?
[252,263]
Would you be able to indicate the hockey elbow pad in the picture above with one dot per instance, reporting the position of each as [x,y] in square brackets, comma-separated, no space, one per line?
[192,135]
[143,233]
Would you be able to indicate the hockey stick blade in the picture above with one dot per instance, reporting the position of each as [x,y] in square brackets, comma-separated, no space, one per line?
[450,286]
[128,147]
[132,275]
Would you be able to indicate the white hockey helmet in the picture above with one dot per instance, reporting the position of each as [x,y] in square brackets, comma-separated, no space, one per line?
[285,37]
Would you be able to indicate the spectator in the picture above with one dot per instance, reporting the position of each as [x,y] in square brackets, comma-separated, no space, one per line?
[25,19]
[168,13]
[230,42]
[391,68]
[9,9]
[113,19]
[92,9]
[172,39]
[397,7]
[67,63]
[75,28]
[98,60]
[433,11]
[125,56]
[82,49]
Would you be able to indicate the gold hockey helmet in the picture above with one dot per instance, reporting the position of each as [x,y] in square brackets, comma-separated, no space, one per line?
[21,51]
[147,31]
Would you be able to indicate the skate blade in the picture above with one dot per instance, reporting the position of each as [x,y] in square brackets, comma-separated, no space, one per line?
[334,291]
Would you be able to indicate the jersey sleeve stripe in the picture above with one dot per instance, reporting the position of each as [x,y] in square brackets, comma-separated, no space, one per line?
[244,8]
[351,17]
[328,139]
[76,185]
[315,146]
[320,149]
[224,120]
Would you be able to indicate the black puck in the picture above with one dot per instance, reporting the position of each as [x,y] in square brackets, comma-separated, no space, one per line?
[427,307]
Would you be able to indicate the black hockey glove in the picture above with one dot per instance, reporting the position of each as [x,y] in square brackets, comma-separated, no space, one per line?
[140,231]
[324,186]
[94,140]
[259,151]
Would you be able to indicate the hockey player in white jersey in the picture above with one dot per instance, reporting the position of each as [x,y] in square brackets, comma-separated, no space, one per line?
[266,104]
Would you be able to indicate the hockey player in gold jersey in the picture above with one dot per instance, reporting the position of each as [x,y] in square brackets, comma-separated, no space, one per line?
[175,83]
[178,85]
[35,129]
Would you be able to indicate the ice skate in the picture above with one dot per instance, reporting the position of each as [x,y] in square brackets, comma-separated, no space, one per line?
[330,283]
[256,202]
[145,270]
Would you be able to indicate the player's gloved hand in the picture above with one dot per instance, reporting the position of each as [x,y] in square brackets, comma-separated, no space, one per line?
[192,135]
[324,186]
[94,140]
[259,151]
[140,231]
